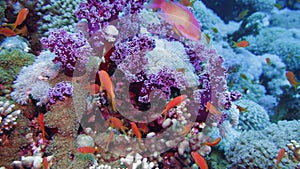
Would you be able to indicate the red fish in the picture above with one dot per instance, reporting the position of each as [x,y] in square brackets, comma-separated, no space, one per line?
[291,78]
[214,143]
[199,160]
[136,131]
[241,44]
[180,17]
[21,17]
[106,84]
[279,156]
[174,102]
[7,32]
[116,123]
[42,124]
[87,150]
[45,163]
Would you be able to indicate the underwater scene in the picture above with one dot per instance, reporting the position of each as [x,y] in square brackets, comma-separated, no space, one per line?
[141,84]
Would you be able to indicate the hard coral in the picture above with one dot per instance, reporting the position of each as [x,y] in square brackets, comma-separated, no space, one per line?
[11,62]
[72,50]
[8,117]
[255,117]
[278,41]
[56,14]
[258,149]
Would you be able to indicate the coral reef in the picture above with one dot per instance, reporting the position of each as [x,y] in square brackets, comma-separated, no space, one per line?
[2,9]
[8,119]
[290,17]
[41,70]
[278,41]
[56,14]
[122,87]
[11,63]
[254,117]
[59,91]
[71,50]
[258,149]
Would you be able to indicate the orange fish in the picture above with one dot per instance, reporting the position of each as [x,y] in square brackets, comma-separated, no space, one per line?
[143,127]
[199,160]
[214,143]
[174,102]
[45,163]
[116,123]
[136,131]
[7,32]
[93,88]
[243,14]
[268,60]
[241,44]
[106,83]
[180,17]
[212,109]
[42,124]
[291,78]
[279,156]
[110,138]
[21,17]
[241,109]
[87,150]
[187,2]
[186,129]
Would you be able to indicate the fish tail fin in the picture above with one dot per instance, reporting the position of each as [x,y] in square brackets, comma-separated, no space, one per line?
[11,25]
[155,4]
[234,44]
[165,114]
[297,85]
[113,103]
[123,130]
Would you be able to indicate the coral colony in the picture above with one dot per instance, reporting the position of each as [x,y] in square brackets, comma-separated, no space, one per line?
[149,84]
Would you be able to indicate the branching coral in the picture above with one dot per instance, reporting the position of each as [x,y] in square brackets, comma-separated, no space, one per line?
[8,118]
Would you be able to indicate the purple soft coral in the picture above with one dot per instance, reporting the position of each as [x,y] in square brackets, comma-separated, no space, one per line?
[71,50]
[164,80]
[99,13]
[129,56]
[59,92]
